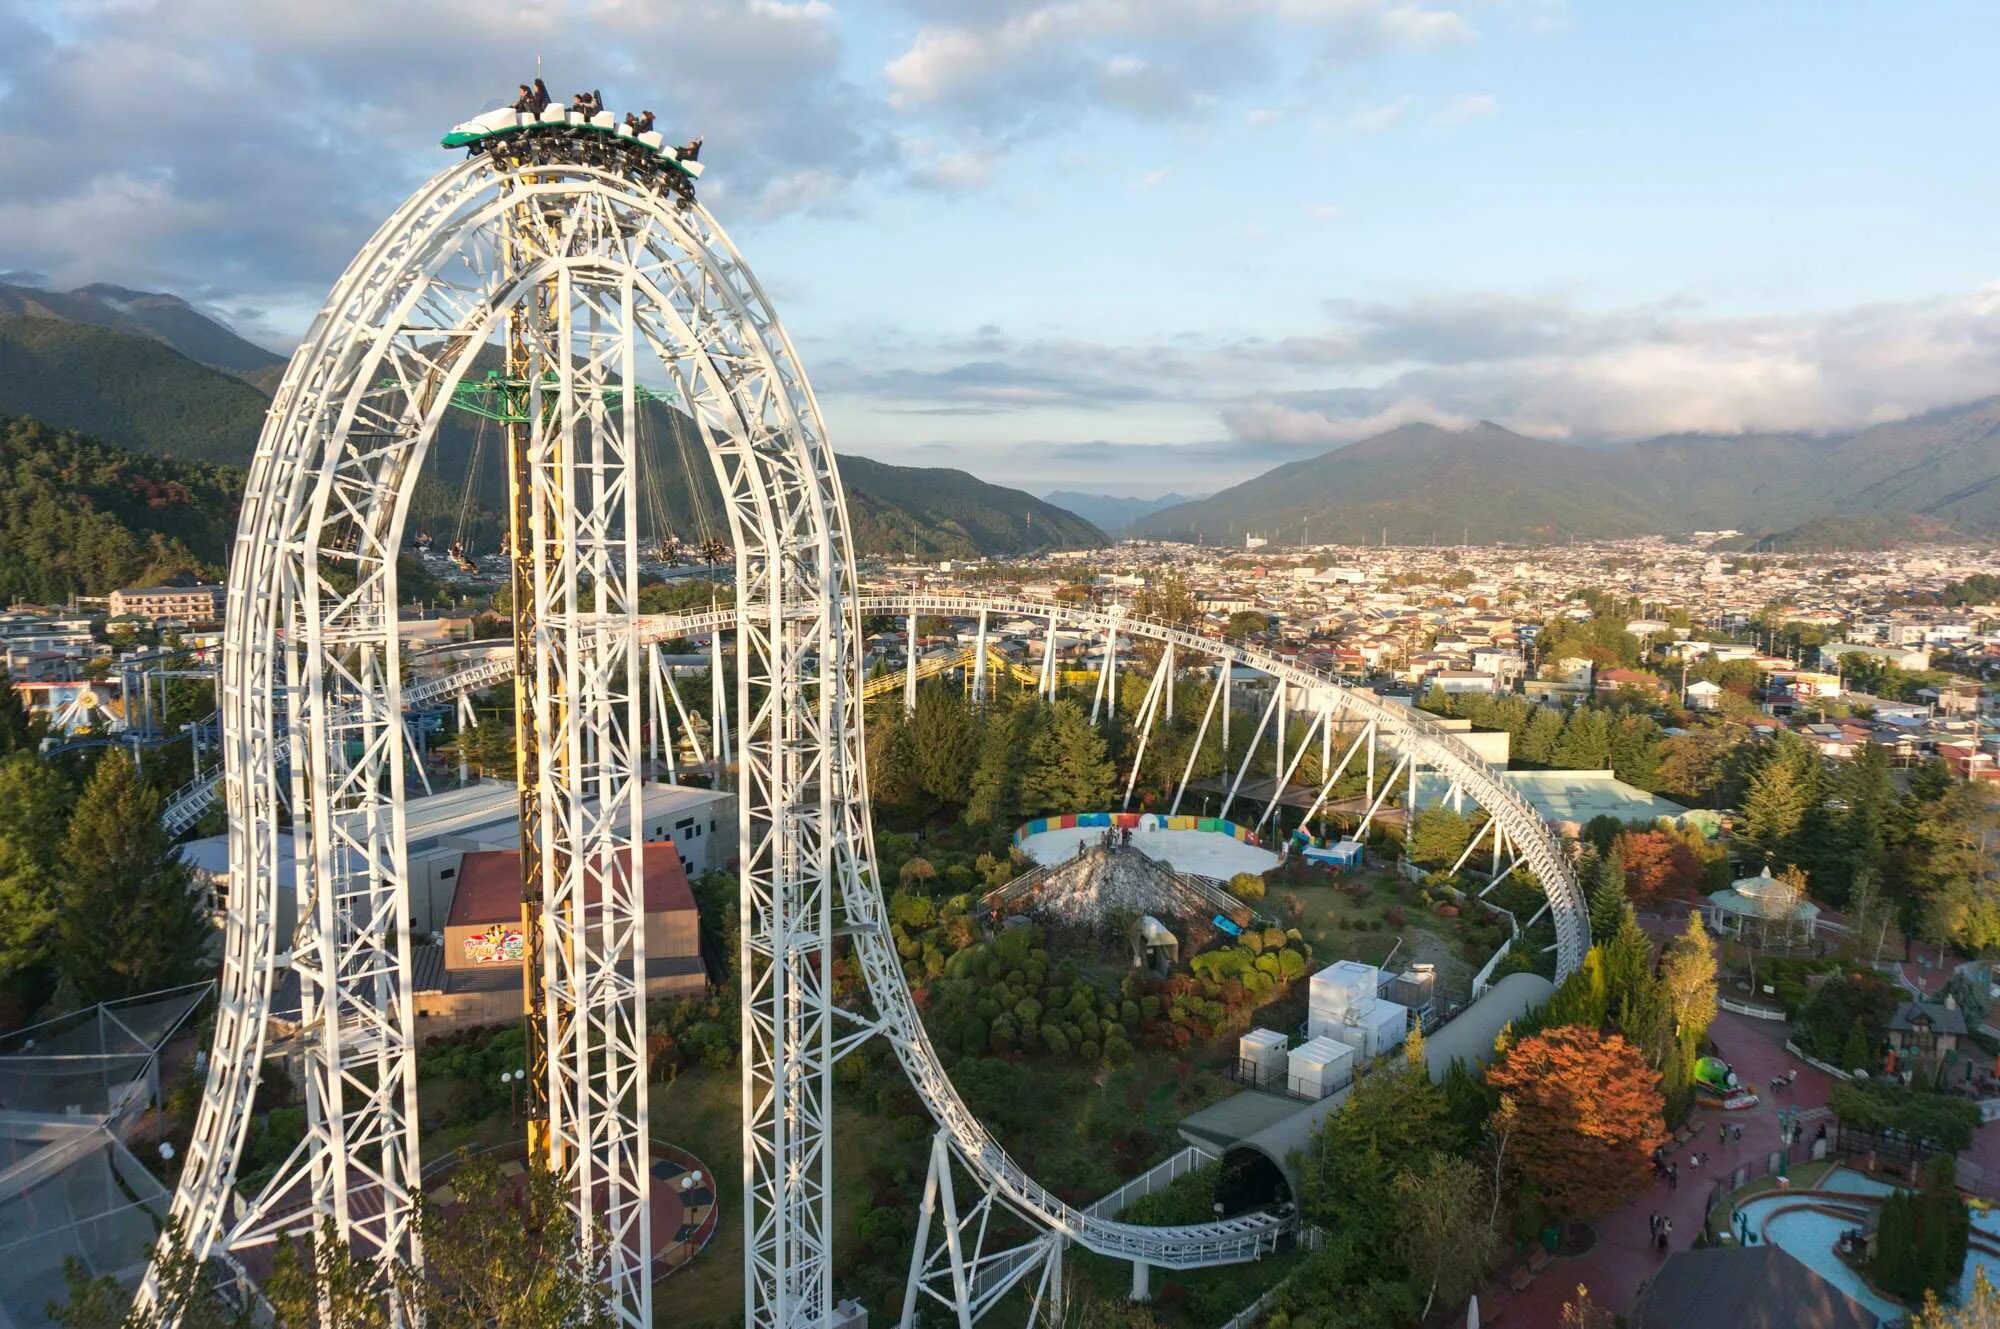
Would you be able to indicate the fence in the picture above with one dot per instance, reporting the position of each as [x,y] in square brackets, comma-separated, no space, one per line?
[1191,1159]
[1754,1012]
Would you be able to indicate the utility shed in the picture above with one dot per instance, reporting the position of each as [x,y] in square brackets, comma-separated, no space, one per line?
[1252,1120]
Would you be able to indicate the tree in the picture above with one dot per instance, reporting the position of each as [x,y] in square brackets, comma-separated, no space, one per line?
[1247,623]
[1585,744]
[1607,893]
[1687,992]
[994,789]
[1921,1238]
[1868,819]
[1981,1310]
[185,1295]
[1581,1312]
[1855,1053]
[1658,866]
[1635,750]
[16,730]
[1247,886]
[1169,600]
[128,918]
[1539,739]
[1442,1226]
[1687,980]
[1067,769]
[1438,836]
[1590,1117]
[1785,789]
[1628,969]
[34,804]
[1957,838]
[893,784]
[507,1253]
[943,744]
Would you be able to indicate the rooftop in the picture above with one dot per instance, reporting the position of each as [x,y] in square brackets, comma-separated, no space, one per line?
[489,885]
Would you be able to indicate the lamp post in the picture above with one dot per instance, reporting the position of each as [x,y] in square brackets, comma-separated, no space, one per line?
[512,1079]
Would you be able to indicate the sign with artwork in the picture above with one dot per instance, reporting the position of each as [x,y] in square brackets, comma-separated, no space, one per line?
[499,944]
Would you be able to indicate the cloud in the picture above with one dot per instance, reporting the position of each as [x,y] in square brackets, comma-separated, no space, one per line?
[1378,119]
[1549,366]
[1153,179]
[221,146]
[1008,66]
[1472,106]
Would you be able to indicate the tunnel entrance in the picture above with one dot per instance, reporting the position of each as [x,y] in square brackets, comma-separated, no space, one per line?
[1251,1179]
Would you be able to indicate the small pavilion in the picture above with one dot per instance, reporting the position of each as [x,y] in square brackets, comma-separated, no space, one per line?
[1763,910]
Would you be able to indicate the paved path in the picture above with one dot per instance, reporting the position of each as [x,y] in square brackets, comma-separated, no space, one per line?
[1622,1257]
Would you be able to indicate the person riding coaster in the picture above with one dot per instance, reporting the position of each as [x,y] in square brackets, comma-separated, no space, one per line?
[531,112]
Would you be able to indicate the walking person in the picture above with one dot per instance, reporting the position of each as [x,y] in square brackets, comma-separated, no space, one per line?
[1673,1176]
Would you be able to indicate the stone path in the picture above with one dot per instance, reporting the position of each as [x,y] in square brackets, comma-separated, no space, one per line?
[1623,1255]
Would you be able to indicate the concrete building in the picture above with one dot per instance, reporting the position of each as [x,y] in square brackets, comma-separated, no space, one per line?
[443,829]
[181,604]
[474,976]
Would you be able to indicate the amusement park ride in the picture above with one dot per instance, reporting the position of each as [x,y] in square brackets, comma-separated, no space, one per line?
[582,250]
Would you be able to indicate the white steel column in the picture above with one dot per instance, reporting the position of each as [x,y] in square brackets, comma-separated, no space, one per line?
[979,662]
[910,662]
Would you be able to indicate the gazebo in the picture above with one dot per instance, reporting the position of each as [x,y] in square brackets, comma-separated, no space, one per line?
[1763,910]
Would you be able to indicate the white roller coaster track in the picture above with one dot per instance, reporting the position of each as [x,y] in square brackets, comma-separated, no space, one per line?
[604,266]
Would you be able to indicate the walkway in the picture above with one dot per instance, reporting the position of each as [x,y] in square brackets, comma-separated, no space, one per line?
[1622,1257]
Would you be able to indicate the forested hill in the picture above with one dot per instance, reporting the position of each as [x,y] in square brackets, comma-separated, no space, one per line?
[80,517]
[932,511]
[167,319]
[134,389]
[136,392]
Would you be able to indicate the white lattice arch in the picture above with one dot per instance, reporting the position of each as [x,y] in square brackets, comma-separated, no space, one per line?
[617,280]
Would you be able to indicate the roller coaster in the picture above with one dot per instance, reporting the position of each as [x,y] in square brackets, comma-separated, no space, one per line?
[592,277]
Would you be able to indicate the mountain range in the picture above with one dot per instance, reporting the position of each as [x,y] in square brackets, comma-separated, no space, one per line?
[1929,475]
[151,373]
[1110,512]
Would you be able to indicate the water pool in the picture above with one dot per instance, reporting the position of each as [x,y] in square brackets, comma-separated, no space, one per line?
[1809,1237]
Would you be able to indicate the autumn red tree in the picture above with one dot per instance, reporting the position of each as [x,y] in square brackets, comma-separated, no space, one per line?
[1658,866]
[1588,1117]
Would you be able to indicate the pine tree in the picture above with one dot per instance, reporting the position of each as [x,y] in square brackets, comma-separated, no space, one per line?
[993,794]
[1539,739]
[1607,894]
[1067,768]
[893,786]
[1628,968]
[1585,744]
[1635,751]
[34,805]
[128,918]
[16,731]
[1783,792]
[1869,812]
[1855,1054]
[943,744]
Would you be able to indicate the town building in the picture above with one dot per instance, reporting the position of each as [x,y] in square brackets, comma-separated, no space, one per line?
[473,975]
[168,604]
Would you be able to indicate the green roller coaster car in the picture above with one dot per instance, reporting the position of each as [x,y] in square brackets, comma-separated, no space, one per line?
[507,122]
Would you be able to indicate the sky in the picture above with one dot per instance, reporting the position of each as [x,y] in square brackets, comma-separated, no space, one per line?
[1125,246]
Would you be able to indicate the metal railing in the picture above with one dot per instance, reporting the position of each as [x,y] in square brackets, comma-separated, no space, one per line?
[1191,1159]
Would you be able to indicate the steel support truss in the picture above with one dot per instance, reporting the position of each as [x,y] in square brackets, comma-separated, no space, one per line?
[604,281]
[967,1265]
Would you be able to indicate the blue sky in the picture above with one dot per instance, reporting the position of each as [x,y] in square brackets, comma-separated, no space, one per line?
[1128,245]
